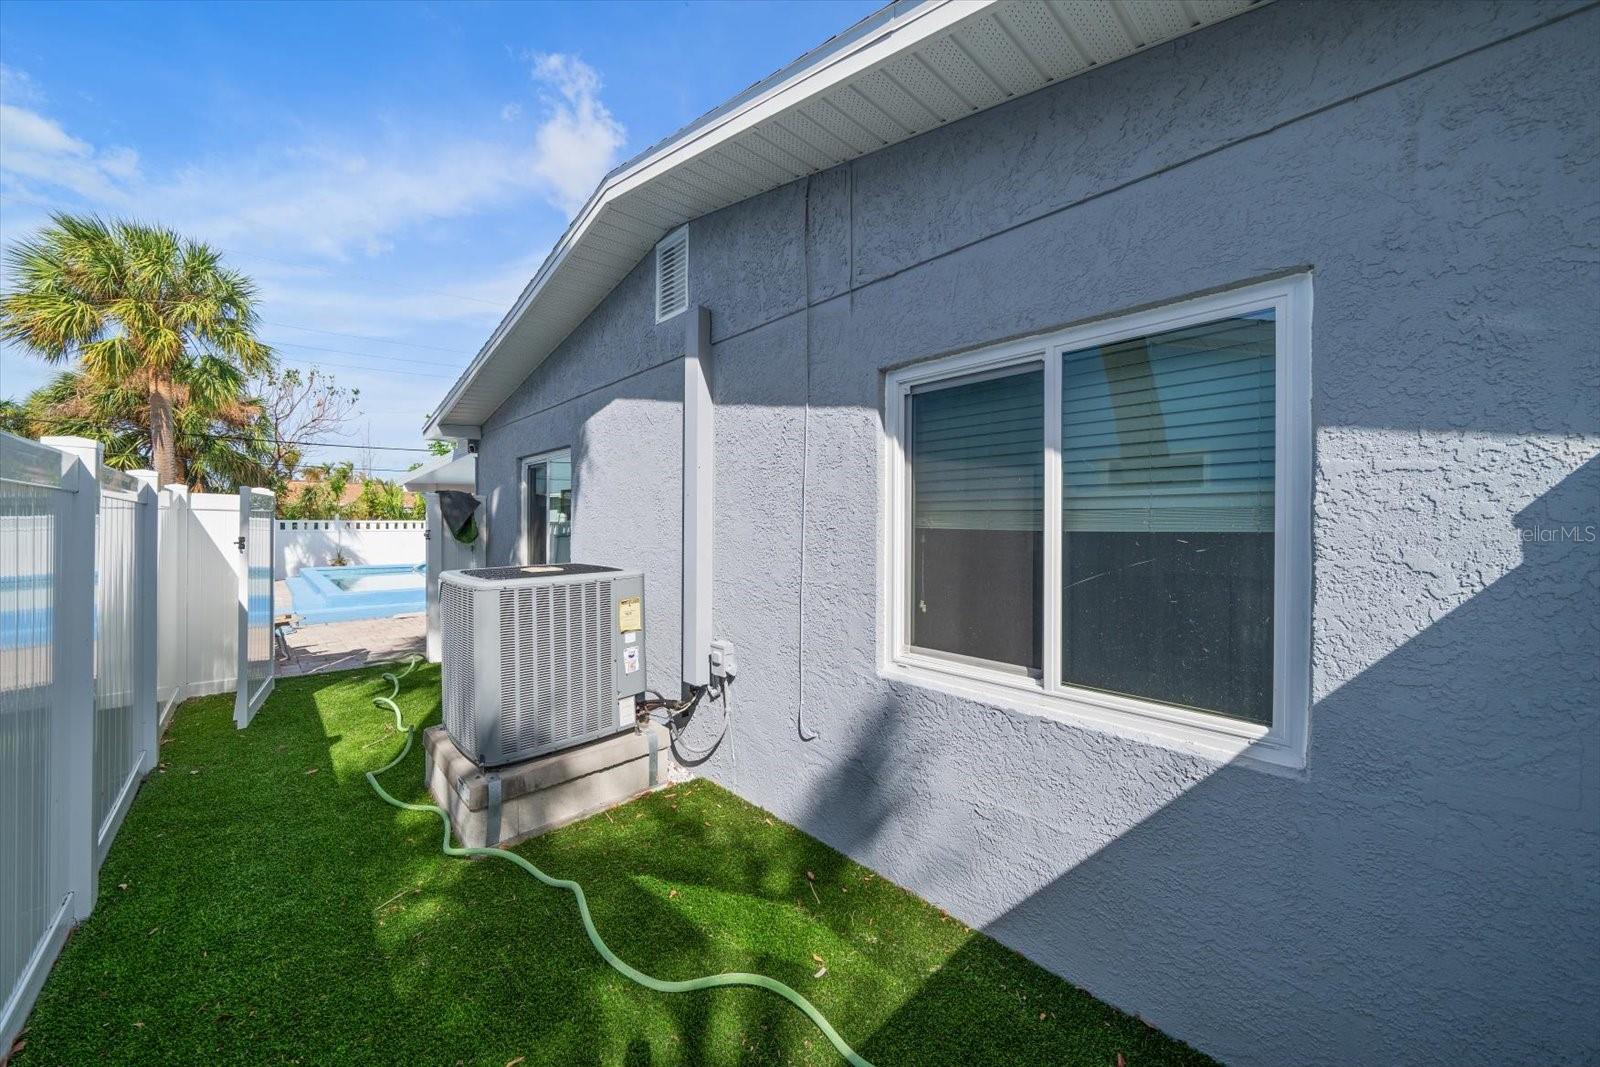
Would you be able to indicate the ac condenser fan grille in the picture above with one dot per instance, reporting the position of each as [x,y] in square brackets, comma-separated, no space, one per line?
[455,624]
[555,663]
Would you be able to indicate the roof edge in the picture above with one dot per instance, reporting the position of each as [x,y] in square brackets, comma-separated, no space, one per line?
[895,18]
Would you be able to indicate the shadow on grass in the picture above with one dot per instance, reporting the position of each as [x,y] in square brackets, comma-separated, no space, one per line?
[278,911]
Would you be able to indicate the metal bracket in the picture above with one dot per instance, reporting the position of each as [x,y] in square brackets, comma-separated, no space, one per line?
[491,834]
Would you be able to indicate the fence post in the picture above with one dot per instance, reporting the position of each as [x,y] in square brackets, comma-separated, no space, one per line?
[72,724]
[146,596]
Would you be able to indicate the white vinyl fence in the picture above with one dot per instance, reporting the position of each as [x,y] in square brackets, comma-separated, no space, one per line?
[87,637]
[315,543]
[124,643]
[201,595]
[77,690]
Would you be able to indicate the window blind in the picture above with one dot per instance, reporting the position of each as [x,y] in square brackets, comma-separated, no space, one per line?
[977,454]
[1173,432]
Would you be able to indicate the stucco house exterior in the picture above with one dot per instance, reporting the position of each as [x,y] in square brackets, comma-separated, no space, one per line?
[1147,458]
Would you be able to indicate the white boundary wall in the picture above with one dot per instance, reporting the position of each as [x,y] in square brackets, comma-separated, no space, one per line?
[314,543]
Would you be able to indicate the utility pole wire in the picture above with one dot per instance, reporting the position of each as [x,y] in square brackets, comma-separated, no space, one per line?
[304,444]
[386,357]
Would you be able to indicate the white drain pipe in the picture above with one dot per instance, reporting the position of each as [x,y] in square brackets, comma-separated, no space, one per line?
[697,499]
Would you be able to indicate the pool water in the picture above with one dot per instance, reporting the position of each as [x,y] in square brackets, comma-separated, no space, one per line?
[340,594]
[369,583]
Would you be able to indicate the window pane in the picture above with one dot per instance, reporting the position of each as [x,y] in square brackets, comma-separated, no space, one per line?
[560,514]
[1167,465]
[538,484]
[977,473]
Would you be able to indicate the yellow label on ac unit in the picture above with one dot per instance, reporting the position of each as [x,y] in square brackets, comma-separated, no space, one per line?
[630,615]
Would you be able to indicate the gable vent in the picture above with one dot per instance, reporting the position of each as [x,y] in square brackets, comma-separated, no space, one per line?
[672,274]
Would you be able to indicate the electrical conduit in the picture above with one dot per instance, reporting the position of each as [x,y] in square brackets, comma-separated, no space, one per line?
[712,981]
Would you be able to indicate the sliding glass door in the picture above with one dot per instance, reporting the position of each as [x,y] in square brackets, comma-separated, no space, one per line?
[547,508]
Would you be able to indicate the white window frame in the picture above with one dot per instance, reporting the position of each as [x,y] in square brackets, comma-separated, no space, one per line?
[1281,745]
[522,495]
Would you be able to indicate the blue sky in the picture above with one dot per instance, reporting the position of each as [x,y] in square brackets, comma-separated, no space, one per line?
[390,174]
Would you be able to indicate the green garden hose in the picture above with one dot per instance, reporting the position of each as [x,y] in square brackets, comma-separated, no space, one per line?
[713,981]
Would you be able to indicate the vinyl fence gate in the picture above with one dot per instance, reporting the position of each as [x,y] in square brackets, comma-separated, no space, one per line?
[255,604]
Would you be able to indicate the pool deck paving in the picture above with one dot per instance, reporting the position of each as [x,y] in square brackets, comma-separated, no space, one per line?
[343,646]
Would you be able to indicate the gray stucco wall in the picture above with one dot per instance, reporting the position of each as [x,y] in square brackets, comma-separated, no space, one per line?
[1426,891]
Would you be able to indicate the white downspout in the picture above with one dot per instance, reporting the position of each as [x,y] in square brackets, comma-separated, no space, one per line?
[697,499]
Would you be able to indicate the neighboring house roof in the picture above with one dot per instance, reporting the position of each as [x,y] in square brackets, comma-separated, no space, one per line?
[913,66]
[352,490]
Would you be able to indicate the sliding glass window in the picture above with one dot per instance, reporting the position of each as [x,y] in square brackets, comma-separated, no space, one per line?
[1167,461]
[977,502]
[1116,517]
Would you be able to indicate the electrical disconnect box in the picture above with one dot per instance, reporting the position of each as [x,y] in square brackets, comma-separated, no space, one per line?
[724,661]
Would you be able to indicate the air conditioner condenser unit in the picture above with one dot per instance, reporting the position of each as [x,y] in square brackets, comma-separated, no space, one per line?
[540,658]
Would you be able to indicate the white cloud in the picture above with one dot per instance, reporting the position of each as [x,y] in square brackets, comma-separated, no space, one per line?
[324,196]
[578,140]
[333,300]
[16,87]
[333,202]
[34,147]
[29,131]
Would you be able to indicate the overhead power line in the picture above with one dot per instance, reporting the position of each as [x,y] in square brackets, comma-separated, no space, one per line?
[371,470]
[306,365]
[362,337]
[301,444]
[350,352]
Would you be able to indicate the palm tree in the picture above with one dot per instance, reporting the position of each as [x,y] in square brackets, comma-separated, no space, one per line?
[381,499]
[141,308]
[219,448]
[13,417]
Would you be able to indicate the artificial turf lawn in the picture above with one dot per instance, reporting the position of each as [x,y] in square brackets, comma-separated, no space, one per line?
[262,905]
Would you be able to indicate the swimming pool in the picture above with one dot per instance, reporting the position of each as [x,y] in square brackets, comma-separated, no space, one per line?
[339,594]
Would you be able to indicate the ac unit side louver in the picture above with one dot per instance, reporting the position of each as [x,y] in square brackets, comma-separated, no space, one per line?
[540,658]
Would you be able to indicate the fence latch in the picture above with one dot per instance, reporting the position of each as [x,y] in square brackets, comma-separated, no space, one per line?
[240,542]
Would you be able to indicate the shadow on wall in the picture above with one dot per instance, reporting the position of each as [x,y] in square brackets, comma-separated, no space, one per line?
[1387,847]
[1427,882]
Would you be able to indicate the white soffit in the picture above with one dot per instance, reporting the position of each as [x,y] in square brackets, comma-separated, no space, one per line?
[906,69]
